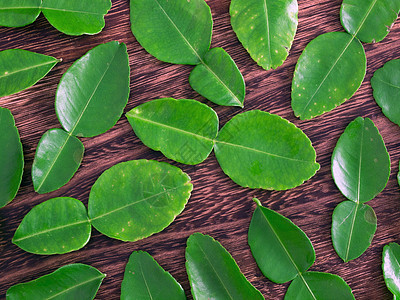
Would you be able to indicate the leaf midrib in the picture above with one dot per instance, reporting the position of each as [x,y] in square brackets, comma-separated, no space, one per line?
[268,31]
[28,68]
[353,221]
[144,279]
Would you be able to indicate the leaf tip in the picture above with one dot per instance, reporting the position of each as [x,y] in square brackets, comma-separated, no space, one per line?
[257,202]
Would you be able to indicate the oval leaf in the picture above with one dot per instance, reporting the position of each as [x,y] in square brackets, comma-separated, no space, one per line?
[329,71]
[18,13]
[261,150]
[183,130]
[135,199]
[145,279]
[11,158]
[391,268]
[369,20]
[94,91]
[20,69]
[266,28]
[57,226]
[176,31]
[218,79]
[353,227]
[281,249]
[360,161]
[58,156]
[75,281]
[213,273]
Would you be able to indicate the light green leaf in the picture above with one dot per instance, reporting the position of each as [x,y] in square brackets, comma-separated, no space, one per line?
[261,150]
[183,130]
[135,199]
[176,31]
[360,161]
[369,20]
[94,91]
[353,227]
[18,13]
[57,226]
[75,281]
[266,28]
[58,156]
[281,249]
[213,273]
[11,158]
[329,71]
[20,69]
[145,279]
[391,268]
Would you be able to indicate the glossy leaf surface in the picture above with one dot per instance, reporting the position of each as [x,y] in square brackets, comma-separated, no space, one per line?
[213,273]
[75,281]
[281,249]
[20,69]
[18,13]
[261,150]
[183,130]
[266,29]
[135,199]
[11,158]
[360,161]
[353,227]
[93,93]
[145,279]
[176,31]
[58,156]
[329,71]
[218,79]
[386,85]
[369,20]
[391,268]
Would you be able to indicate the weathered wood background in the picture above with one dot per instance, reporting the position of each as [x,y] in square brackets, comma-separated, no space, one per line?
[218,207]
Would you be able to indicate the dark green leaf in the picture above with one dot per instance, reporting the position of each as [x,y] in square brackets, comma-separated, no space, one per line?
[213,273]
[391,268]
[18,13]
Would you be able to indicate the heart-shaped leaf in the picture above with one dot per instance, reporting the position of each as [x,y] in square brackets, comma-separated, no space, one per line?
[353,227]
[261,150]
[391,268]
[57,226]
[281,249]
[360,161]
[329,71]
[18,13]
[266,28]
[75,281]
[135,199]
[58,156]
[213,273]
[94,91]
[183,130]
[11,158]
[369,20]
[145,279]
[20,69]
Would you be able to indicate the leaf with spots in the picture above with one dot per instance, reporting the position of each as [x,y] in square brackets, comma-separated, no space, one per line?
[18,13]
[391,268]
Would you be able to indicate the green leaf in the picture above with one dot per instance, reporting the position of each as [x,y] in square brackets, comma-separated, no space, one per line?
[266,28]
[57,226]
[145,279]
[261,150]
[11,158]
[176,31]
[353,227]
[94,91]
[391,268]
[281,249]
[218,79]
[20,69]
[76,17]
[369,20]
[183,130]
[316,285]
[18,13]
[386,86]
[75,281]
[213,273]
[329,71]
[135,199]
[58,156]
[360,161]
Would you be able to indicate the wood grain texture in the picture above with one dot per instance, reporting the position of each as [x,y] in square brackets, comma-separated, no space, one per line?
[218,206]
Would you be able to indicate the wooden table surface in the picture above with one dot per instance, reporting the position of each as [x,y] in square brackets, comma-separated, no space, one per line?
[218,206]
